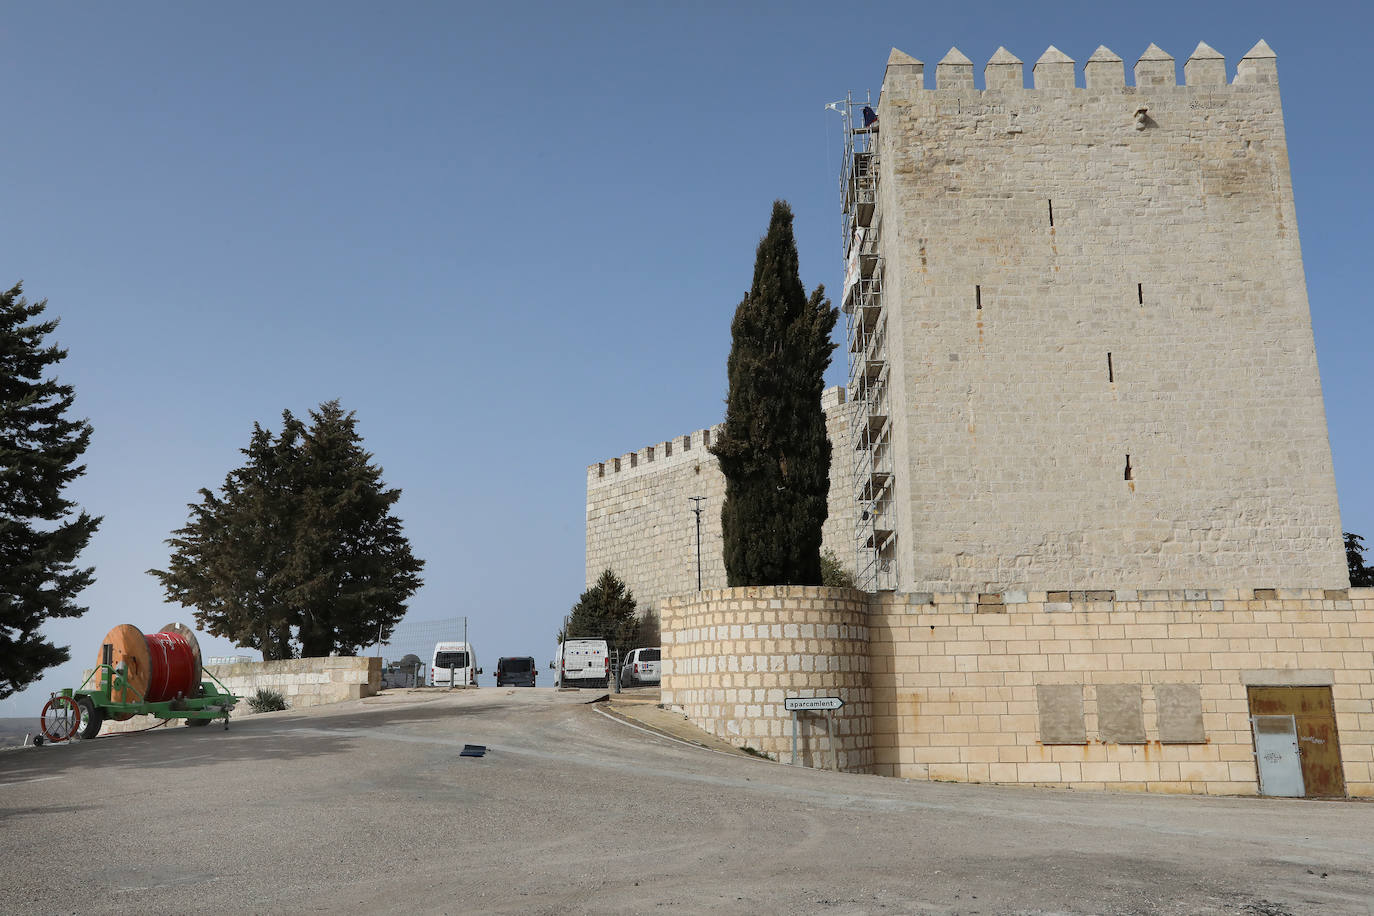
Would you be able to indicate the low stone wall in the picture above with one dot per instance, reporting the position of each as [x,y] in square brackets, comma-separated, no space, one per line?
[731,655]
[959,683]
[305,681]
[302,681]
[1126,690]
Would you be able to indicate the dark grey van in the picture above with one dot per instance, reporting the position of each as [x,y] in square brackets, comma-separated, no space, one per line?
[516,671]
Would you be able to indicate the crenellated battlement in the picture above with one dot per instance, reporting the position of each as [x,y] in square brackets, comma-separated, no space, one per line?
[1205,68]
[691,445]
[695,445]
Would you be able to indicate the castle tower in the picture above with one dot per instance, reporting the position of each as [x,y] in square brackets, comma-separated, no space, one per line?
[1081,350]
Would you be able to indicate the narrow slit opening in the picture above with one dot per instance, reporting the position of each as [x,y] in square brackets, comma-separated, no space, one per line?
[1128,468]
[1110,376]
[1051,206]
[978,296]
[1140,293]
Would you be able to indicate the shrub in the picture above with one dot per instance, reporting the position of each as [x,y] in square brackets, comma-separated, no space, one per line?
[833,572]
[267,701]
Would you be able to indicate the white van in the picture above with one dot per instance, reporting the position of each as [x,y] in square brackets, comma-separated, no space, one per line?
[582,663]
[457,657]
[642,666]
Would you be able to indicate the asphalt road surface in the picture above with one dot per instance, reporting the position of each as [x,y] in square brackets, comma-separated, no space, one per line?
[367,807]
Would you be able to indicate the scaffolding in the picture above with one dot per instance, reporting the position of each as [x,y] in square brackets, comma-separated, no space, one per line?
[870,418]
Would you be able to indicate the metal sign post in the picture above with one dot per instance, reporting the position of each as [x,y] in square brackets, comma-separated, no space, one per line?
[795,705]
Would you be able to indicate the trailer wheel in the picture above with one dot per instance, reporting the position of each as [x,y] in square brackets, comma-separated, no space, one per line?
[197,723]
[60,718]
[91,717]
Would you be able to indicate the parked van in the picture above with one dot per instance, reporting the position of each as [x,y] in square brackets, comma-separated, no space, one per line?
[582,663]
[516,671]
[457,657]
[641,667]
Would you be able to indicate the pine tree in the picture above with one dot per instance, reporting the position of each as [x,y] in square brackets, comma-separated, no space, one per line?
[604,611]
[773,451]
[39,537]
[299,542]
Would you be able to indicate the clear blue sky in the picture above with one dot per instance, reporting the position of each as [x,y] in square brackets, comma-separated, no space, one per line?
[510,236]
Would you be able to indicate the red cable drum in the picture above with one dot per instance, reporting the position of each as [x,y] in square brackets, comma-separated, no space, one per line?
[173,672]
[157,667]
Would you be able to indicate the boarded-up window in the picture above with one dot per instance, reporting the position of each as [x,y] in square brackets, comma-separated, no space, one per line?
[1061,713]
[1180,713]
[1119,719]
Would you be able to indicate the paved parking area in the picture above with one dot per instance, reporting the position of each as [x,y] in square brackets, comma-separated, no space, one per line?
[367,807]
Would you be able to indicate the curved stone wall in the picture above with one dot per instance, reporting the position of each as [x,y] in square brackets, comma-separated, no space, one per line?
[732,655]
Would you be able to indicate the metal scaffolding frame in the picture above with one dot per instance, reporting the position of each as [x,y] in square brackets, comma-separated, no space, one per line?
[875,533]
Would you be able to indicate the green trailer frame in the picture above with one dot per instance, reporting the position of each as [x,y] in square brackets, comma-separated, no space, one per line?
[97,704]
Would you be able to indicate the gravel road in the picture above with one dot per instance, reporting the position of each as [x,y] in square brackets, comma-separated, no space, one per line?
[367,807]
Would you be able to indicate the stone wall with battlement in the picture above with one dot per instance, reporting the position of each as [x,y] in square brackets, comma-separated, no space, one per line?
[1102,367]
[639,515]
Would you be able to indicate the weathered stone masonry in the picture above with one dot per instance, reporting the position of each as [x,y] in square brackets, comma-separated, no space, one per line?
[964,687]
[640,522]
[1134,251]
[1068,277]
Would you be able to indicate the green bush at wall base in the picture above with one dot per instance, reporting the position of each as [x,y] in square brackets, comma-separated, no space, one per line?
[266,701]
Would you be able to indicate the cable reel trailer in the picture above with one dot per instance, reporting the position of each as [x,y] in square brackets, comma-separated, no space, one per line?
[158,675]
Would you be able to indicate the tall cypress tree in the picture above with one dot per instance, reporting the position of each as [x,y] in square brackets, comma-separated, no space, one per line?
[39,537]
[774,451]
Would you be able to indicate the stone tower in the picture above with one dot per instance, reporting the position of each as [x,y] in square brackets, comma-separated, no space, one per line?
[1088,360]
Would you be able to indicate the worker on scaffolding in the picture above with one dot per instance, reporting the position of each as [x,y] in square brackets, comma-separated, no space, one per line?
[870,119]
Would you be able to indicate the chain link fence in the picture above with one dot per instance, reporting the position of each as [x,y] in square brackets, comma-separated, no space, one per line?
[407,653]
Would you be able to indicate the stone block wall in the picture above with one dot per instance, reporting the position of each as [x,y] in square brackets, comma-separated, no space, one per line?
[730,657]
[1140,690]
[639,514]
[305,681]
[955,681]
[1078,275]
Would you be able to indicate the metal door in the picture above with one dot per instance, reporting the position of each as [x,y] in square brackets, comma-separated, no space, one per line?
[1276,753]
[1314,716]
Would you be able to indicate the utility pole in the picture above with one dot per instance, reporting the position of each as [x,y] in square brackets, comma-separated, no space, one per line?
[696,507]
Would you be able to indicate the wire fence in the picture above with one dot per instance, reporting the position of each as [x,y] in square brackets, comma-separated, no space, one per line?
[415,638]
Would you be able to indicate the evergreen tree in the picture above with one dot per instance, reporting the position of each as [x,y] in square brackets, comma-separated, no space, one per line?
[353,565]
[650,630]
[604,611]
[774,452]
[299,542]
[39,536]
[229,562]
[1361,574]
[833,571]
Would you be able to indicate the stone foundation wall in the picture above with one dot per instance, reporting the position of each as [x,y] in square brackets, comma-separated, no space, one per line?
[956,682]
[1114,689]
[731,655]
